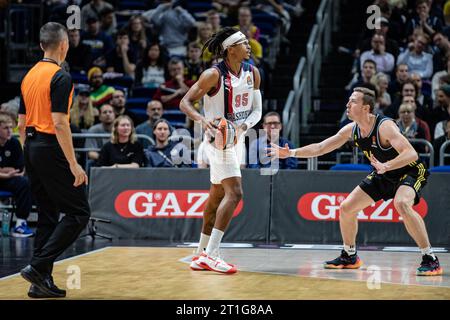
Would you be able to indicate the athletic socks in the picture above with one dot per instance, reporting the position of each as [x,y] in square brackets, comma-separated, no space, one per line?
[351,250]
[19,222]
[203,243]
[428,251]
[214,242]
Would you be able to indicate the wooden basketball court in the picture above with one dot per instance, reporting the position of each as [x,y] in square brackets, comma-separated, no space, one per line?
[164,274]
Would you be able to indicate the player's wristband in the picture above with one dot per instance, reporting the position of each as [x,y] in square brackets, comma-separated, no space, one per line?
[292,153]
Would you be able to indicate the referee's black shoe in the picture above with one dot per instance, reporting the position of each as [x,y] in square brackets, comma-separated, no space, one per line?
[42,282]
[36,293]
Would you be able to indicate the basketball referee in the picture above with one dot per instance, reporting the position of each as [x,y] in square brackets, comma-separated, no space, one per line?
[57,180]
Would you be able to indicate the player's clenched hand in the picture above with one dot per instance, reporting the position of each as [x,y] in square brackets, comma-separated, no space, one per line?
[275,151]
[79,174]
[379,167]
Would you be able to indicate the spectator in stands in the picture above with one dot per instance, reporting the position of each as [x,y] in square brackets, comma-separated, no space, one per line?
[401,75]
[390,44]
[174,24]
[438,142]
[12,177]
[100,93]
[194,64]
[294,7]
[164,153]
[83,115]
[428,23]
[252,33]
[79,56]
[408,89]
[442,113]
[99,41]
[410,100]
[440,110]
[276,9]
[123,151]
[121,59]
[408,125]
[204,32]
[171,91]
[246,25]
[138,36]
[94,9]
[369,69]
[441,51]
[384,60]
[381,82]
[107,117]
[417,59]
[118,102]
[437,81]
[150,71]
[107,19]
[257,151]
[155,111]
[11,106]
[213,18]
[423,100]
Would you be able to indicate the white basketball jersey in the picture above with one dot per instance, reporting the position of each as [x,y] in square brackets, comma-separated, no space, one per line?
[233,96]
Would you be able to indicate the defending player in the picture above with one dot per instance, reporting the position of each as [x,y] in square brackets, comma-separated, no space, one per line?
[399,174]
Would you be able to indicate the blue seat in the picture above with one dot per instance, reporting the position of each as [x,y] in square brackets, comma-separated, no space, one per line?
[351,167]
[143,92]
[132,5]
[79,78]
[137,103]
[266,28]
[262,17]
[177,125]
[196,6]
[440,169]
[125,81]
[174,116]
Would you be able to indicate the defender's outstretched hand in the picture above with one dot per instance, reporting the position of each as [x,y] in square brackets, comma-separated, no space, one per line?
[278,152]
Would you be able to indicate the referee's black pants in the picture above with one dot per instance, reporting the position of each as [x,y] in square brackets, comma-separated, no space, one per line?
[52,187]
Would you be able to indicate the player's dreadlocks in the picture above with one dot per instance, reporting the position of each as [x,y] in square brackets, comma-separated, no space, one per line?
[214,44]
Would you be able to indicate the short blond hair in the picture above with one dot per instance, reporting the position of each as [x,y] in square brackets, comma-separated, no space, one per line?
[368,96]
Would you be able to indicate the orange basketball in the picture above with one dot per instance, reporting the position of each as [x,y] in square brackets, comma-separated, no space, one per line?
[225,134]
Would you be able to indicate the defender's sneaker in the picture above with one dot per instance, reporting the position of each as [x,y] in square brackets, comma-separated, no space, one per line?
[344,261]
[429,267]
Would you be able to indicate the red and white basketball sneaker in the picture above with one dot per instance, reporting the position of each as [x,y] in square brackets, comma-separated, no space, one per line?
[216,264]
[195,266]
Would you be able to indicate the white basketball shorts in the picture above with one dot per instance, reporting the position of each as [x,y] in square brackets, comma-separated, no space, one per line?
[225,163]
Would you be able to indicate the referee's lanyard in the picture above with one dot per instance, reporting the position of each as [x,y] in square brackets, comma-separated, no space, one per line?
[50,60]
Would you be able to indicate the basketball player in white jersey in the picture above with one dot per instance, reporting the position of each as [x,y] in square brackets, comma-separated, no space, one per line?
[231,90]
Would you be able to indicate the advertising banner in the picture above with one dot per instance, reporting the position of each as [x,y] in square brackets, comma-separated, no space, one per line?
[168,204]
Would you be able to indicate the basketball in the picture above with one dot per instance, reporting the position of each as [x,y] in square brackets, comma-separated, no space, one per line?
[225,134]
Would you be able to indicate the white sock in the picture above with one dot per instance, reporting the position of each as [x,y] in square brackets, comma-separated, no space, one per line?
[214,242]
[351,250]
[19,222]
[204,239]
[428,251]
